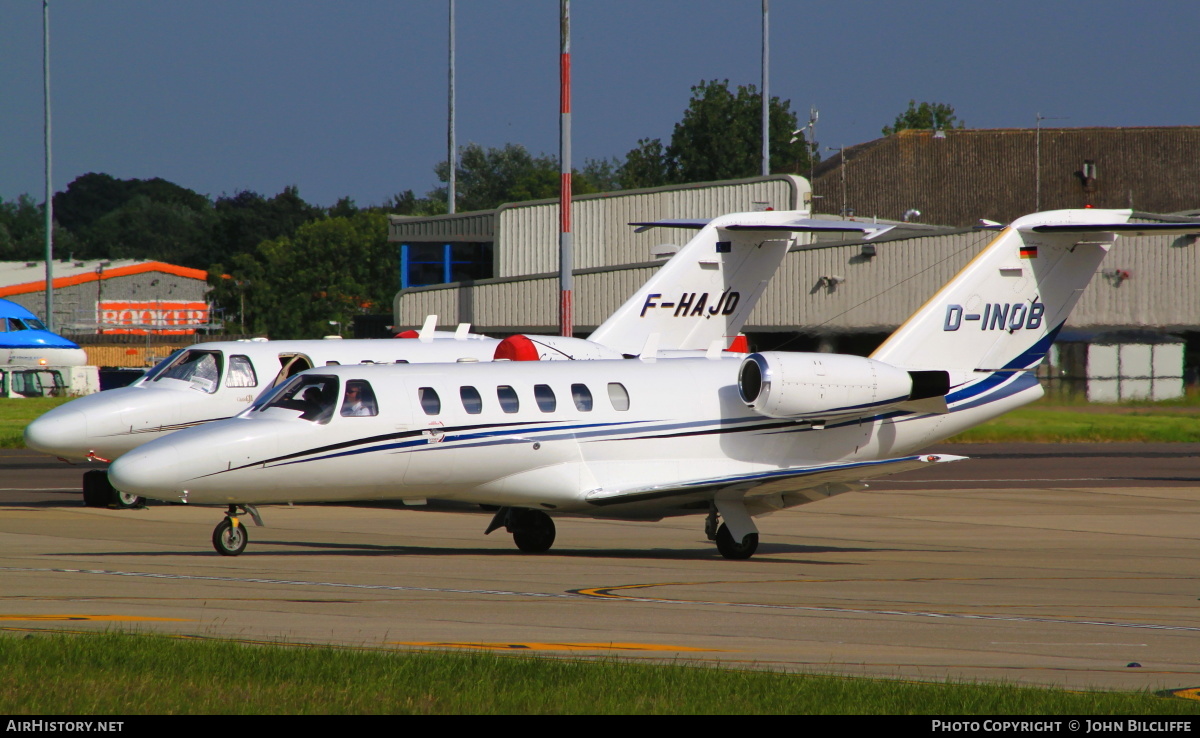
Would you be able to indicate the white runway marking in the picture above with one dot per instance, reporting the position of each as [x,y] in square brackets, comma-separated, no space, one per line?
[981,481]
[651,600]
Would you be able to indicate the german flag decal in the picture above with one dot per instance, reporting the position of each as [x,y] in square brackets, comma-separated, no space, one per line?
[1029,252]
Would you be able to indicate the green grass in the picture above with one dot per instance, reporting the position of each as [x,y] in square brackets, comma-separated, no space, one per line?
[1072,419]
[1049,425]
[16,413]
[128,674]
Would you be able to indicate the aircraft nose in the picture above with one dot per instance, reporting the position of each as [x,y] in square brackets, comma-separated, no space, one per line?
[152,471]
[60,432]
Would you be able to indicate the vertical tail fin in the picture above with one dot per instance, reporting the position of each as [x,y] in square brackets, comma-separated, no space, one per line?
[1003,310]
[707,290]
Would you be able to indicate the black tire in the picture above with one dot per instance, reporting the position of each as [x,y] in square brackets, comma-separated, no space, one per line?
[533,531]
[228,540]
[731,549]
[96,490]
[125,500]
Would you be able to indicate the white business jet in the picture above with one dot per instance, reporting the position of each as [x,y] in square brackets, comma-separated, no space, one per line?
[643,439]
[700,296]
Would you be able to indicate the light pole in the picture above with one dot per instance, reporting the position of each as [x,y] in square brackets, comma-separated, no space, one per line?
[1037,168]
[766,95]
[451,194]
[842,165]
[49,183]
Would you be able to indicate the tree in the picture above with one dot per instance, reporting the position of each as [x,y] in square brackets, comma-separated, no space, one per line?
[92,196]
[134,218]
[924,116]
[646,166]
[246,219]
[22,225]
[719,137]
[597,175]
[145,228]
[407,203]
[488,178]
[330,269]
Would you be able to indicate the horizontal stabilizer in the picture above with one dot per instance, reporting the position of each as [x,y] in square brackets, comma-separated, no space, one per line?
[1125,229]
[800,225]
[776,481]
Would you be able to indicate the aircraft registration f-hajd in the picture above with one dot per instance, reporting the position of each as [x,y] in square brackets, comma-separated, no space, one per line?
[642,439]
[718,276]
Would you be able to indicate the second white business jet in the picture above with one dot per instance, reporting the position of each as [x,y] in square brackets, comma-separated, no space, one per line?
[643,439]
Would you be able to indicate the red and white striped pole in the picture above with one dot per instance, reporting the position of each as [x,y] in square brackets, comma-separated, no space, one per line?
[566,261]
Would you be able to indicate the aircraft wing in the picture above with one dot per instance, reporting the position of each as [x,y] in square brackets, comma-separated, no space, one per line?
[800,225]
[777,488]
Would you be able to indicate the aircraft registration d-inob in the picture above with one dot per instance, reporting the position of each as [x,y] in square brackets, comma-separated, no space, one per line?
[728,438]
[701,296]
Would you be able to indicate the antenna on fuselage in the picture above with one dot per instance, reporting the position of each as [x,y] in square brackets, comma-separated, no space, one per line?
[425,335]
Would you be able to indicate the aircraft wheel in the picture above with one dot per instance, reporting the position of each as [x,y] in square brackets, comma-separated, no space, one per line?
[228,540]
[731,549]
[96,491]
[533,531]
[125,500]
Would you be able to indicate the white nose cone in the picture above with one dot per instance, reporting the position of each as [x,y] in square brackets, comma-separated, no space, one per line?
[153,471]
[60,432]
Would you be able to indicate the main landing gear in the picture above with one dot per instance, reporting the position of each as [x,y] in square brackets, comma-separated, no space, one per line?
[229,538]
[532,530]
[98,492]
[729,546]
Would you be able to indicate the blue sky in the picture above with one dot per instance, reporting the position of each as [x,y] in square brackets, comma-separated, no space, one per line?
[349,98]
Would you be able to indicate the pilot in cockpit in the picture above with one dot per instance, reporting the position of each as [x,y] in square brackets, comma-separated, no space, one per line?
[359,400]
[318,404]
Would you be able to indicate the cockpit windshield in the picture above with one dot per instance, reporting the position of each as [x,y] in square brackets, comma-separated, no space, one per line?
[314,395]
[201,368]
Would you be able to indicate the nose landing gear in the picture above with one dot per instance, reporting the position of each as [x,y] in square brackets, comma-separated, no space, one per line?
[229,538]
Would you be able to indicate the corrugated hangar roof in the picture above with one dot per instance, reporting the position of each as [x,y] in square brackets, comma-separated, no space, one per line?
[956,176]
[22,277]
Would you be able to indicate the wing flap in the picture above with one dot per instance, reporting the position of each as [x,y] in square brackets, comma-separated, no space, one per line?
[773,482]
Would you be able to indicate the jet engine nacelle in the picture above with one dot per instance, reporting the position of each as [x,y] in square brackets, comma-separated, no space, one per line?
[823,386]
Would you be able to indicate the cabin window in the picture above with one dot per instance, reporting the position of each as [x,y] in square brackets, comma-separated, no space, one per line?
[201,368]
[314,395]
[618,396]
[471,401]
[430,402]
[241,372]
[545,398]
[582,397]
[508,399]
[359,400]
